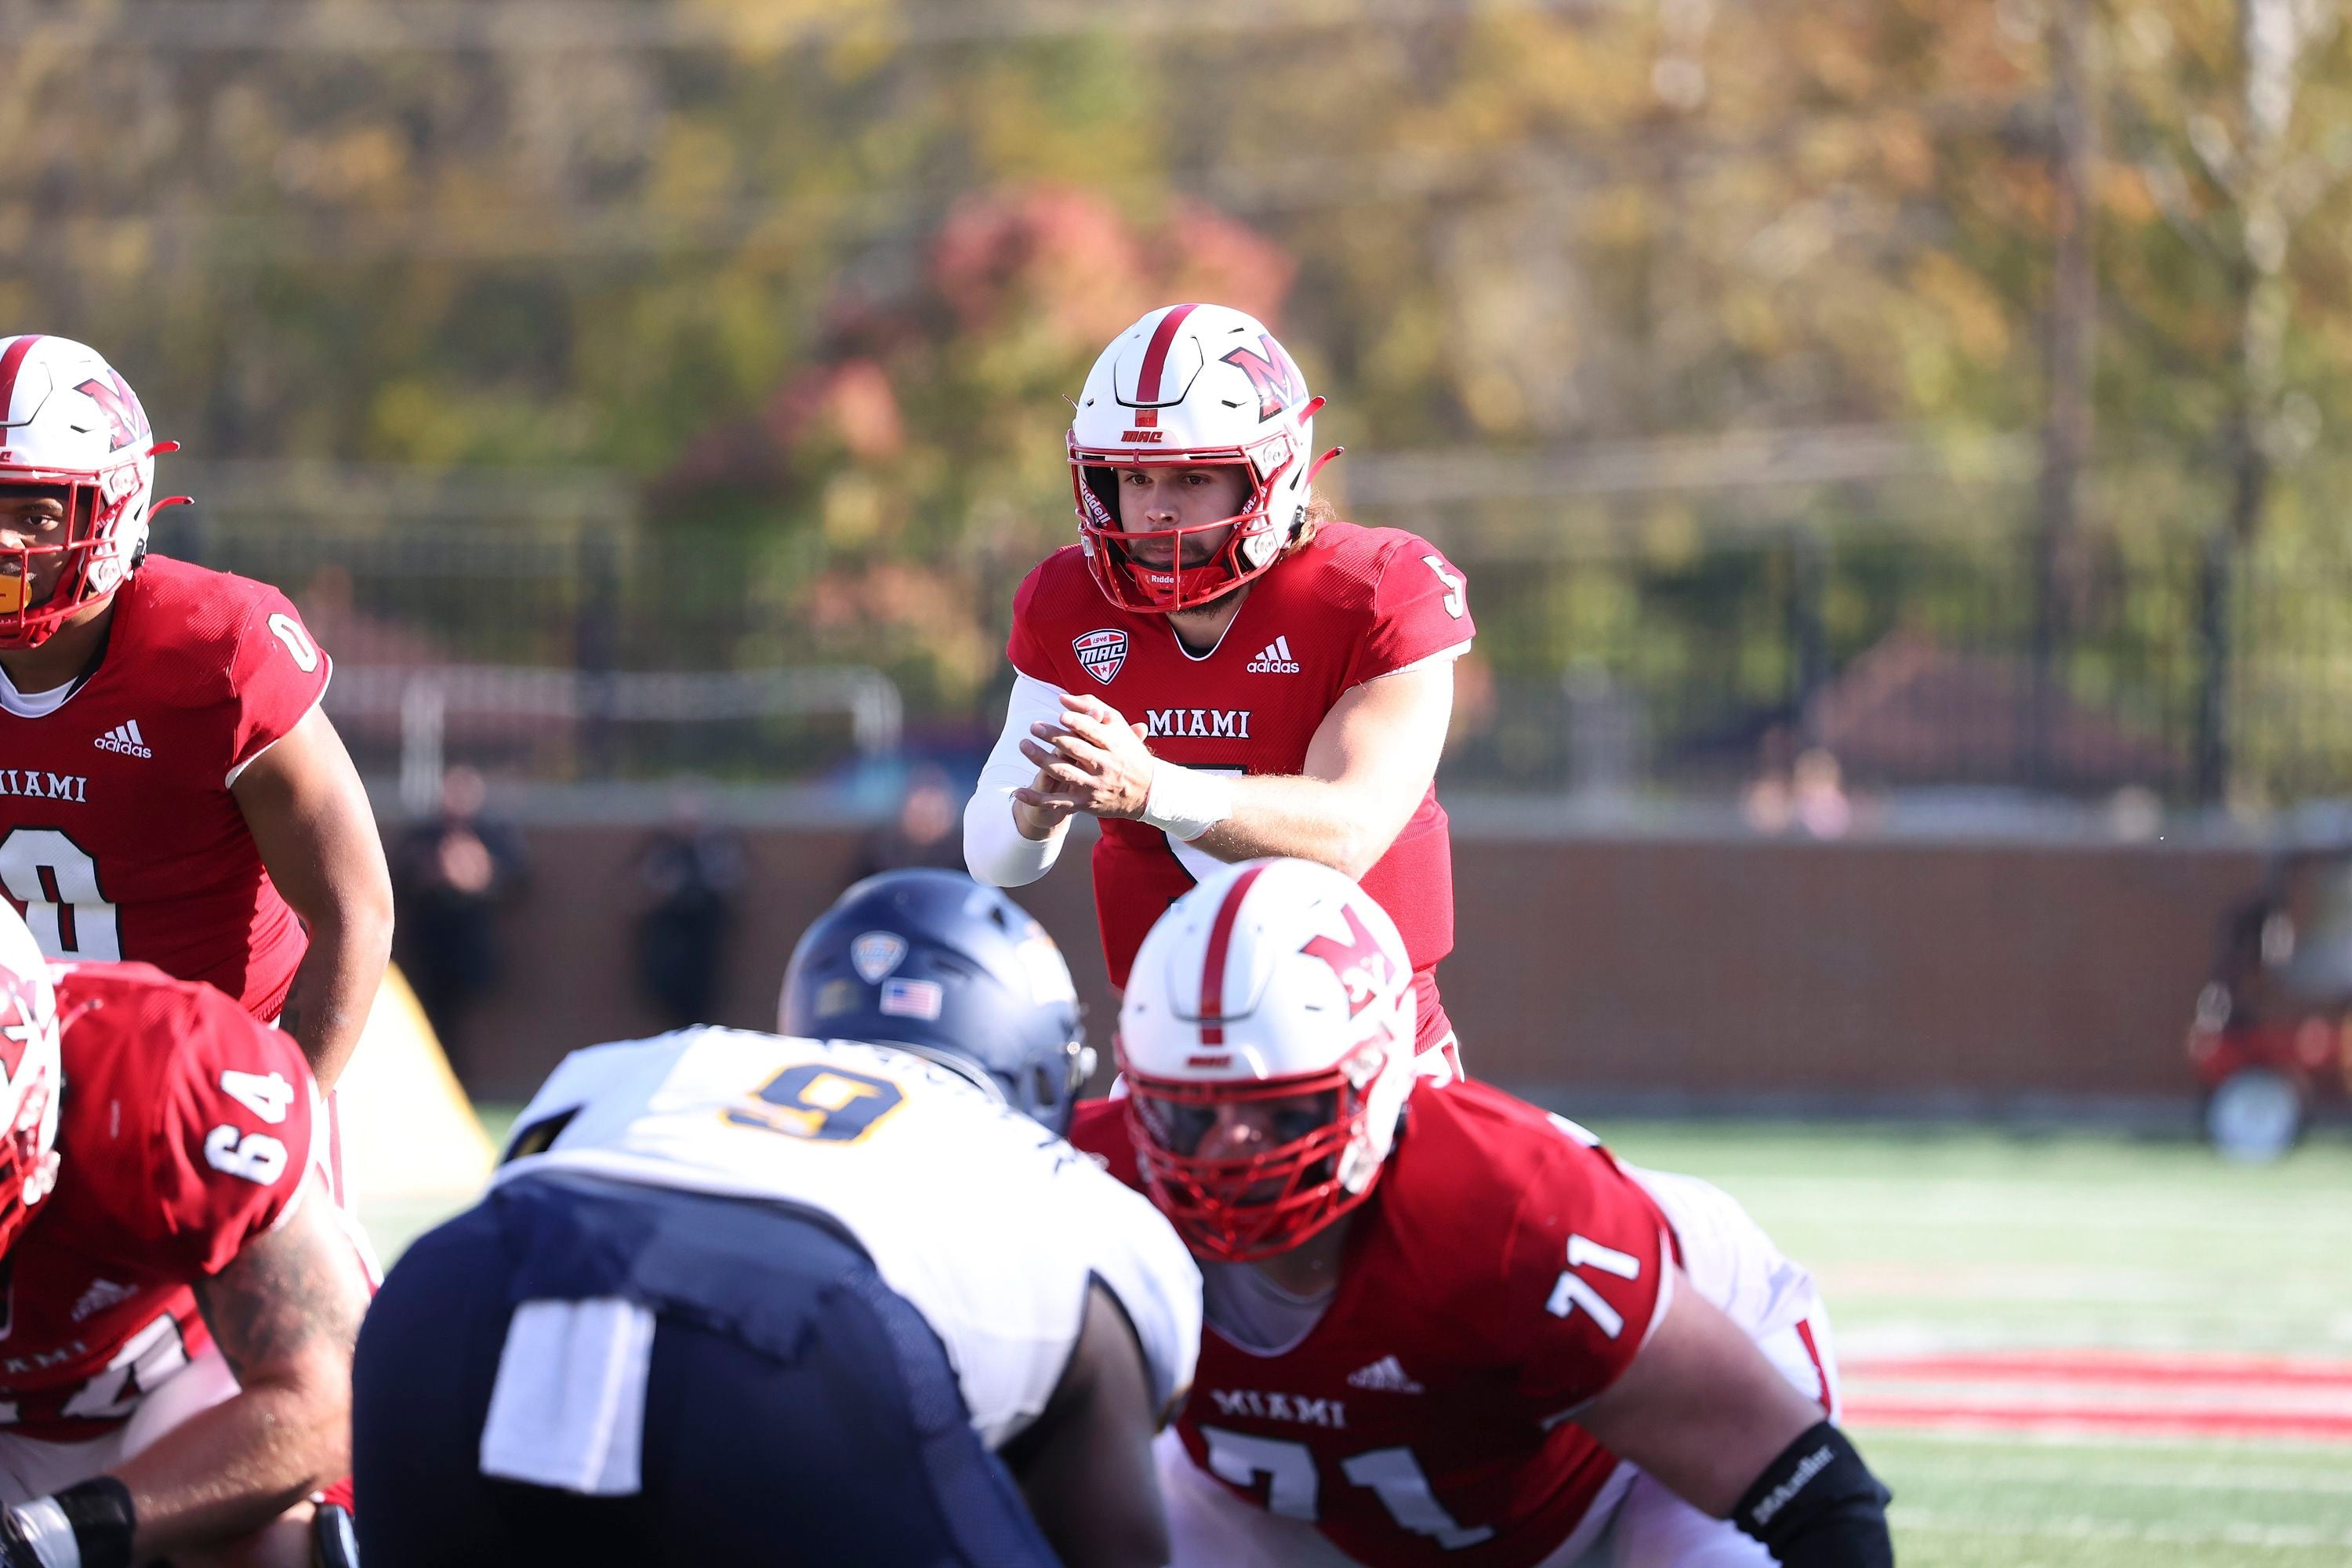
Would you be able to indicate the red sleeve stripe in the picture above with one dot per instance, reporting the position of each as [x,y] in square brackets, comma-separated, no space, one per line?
[1155,355]
[9,365]
[1827,1397]
[1213,967]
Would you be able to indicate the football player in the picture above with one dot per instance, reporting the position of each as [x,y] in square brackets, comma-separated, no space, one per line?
[841,1295]
[1219,669]
[1443,1326]
[180,1299]
[169,790]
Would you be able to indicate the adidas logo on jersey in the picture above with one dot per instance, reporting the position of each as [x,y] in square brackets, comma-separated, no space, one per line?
[1385,1375]
[1274,658]
[101,1294]
[125,738]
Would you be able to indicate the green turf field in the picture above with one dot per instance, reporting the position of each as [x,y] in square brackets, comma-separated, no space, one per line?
[1932,1242]
[1948,1256]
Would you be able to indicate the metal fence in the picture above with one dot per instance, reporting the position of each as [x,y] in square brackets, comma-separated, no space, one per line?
[1603,663]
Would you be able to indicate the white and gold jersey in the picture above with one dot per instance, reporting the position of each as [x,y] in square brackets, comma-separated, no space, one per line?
[991,1226]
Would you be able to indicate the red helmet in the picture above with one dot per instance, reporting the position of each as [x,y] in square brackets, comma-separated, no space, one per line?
[1192,386]
[68,419]
[1276,992]
[30,1078]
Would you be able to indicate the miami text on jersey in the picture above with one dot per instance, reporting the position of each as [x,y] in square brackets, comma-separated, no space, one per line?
[1205,723]
[59,787]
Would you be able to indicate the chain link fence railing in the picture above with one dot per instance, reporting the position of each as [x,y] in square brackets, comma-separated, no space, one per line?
[1683,653]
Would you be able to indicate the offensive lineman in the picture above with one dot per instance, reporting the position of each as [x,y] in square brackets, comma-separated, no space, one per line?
[180,1298]
[169,790]
[1219,669]
[739,1297]
[1443,1326]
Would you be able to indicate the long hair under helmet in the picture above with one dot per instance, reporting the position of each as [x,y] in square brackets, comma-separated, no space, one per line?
[1275,993]
[1193,386]
[68,419]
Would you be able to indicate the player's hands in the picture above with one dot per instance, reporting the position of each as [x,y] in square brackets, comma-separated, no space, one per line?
[1094,761]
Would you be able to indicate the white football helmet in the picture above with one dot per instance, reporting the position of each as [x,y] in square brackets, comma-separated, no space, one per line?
[31,1075]
[68,420]
[1267,1039]
[1192,387]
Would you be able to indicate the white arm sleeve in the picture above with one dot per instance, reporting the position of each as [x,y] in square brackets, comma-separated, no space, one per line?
[993,845]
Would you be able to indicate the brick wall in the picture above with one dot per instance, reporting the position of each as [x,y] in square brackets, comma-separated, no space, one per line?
[1721,970]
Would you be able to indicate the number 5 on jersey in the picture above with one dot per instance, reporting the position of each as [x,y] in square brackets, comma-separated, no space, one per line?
[1454,601]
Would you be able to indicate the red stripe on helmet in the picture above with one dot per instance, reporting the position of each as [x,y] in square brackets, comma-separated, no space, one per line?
[1212,967]
[1155,353]
[9,364]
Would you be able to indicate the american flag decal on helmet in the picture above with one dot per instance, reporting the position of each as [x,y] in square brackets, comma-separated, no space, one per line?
[1100,653]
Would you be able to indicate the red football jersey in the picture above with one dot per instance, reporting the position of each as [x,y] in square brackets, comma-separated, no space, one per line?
[185,1132]
[1503,1272]
[1355,604]
[119,837]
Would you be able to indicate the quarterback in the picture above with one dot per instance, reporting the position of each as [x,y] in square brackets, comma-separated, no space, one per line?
[1442,1325]
[169,790]
[1219,669]
[180,1300]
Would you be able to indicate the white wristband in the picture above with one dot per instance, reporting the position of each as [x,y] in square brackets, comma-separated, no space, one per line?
[49,1533]
[1185,803]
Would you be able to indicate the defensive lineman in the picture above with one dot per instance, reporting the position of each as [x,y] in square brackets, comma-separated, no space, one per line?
[741,1298]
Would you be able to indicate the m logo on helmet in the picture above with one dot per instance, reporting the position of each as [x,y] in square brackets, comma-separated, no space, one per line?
[1277,379]
[17,1004]
[1360,964]
[115,399]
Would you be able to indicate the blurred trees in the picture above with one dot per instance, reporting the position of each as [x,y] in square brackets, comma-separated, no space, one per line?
[811,277]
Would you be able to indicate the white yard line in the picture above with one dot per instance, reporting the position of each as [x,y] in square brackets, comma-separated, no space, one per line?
[2084,1527]
[2188,1478]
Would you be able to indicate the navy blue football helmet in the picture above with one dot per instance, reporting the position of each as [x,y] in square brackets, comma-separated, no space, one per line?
[949,969]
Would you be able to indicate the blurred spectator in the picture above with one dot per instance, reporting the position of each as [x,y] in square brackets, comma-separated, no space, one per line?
[927,831]
[1817,795]
[1807,793]
[693,870]
[1766,802]
[450,873]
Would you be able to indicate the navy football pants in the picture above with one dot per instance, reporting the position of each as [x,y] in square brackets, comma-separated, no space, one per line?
[857,1451]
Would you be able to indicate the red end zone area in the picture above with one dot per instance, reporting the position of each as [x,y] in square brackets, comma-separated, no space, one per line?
[2154,1393]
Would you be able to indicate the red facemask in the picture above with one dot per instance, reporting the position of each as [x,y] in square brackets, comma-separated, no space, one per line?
[1251,1206]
